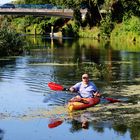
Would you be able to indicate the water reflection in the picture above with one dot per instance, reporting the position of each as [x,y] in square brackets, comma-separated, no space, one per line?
[53,123]
[87,120]
[122,66]
[7,68]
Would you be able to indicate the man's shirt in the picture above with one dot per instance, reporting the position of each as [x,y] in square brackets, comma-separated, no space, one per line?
[85,91]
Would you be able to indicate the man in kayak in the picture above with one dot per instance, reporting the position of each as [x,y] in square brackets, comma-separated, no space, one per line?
[85,88]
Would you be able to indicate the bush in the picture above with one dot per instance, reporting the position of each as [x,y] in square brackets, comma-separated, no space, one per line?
[70,30]
[132,25]
[106,27]
[10,42]
[128,30]
[90,32]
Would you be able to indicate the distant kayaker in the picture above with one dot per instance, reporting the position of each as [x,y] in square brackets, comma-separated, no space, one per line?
[85,88]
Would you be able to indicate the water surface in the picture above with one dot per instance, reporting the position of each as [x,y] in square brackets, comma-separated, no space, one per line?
[28,106]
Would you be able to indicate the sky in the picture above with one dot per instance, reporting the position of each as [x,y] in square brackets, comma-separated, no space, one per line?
[5,1]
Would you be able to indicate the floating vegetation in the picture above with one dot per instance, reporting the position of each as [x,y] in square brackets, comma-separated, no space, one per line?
[52,64]
[97,71]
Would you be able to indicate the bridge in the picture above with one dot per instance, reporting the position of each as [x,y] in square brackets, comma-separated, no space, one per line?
[64,13]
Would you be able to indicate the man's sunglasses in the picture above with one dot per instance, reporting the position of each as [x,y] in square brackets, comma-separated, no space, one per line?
[84,77]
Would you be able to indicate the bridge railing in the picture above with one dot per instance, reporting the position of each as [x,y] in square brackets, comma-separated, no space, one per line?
[65,13]
[38,10]
[35,10]
[33,6]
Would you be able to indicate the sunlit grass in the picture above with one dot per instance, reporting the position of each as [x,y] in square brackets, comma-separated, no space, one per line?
[127,33]
[90,33]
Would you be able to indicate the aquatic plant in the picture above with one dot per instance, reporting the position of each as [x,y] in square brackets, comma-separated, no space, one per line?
[98,71]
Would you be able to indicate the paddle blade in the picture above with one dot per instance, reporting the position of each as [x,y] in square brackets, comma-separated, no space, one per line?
[54,86]
[111,100]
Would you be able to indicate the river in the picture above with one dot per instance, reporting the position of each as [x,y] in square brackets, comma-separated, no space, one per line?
[29,109]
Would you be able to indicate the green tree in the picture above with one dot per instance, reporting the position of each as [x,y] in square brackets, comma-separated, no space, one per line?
[120,8]
[132,7]
[10,42]
[93,8]
[106,26]
[32,1]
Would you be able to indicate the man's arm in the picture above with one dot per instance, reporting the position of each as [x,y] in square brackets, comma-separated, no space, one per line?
[75,88]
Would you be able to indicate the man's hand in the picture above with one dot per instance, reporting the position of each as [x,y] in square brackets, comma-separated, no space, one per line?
[78,99]
[97,94]
[71,89]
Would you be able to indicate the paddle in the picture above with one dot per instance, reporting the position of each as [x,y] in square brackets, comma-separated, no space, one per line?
[58,87]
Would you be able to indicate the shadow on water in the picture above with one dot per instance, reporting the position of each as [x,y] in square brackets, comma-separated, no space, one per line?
[1,134]
[57,98]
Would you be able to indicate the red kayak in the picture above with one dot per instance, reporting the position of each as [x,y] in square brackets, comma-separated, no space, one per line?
[88,102]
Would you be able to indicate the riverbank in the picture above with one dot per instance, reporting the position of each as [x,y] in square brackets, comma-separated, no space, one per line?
[127,31]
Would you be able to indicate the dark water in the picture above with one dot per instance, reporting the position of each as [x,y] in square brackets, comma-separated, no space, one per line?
[27,105]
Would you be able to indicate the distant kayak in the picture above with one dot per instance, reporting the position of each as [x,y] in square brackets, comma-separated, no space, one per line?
[77,105]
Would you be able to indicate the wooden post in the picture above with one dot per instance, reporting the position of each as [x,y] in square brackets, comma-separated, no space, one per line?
[35,30]
[52,35]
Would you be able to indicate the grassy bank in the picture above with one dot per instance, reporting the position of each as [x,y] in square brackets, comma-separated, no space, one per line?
[89,33]
[39,25]
[128,31]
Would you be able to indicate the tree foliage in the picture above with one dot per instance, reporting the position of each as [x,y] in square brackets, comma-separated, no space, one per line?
[121,8]
[115,11]
[32,1]
[10,42]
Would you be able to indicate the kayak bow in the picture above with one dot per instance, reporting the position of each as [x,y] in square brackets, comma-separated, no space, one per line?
[80,105]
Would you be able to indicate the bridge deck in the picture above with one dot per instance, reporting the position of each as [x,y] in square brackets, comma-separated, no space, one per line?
[65,13]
